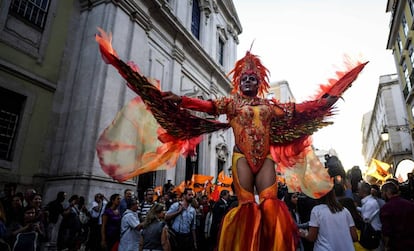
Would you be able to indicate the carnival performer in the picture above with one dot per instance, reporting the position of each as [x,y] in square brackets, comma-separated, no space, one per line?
[267,134]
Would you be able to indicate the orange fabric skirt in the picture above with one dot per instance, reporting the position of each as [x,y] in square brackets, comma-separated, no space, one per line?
[253,227]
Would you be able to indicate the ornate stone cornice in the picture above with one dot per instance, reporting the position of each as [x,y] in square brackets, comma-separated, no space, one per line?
[178,54]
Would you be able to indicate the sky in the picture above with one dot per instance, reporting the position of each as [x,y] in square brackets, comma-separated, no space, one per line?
[303,42]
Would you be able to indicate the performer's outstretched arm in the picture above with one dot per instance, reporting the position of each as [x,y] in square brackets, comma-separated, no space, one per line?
[190,103]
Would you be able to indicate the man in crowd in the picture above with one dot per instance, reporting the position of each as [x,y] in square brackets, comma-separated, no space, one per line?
[147,204]
[183,222]
[219,210]
[128,194]
[397,218]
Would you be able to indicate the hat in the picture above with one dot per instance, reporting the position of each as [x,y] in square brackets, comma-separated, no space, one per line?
[250,64]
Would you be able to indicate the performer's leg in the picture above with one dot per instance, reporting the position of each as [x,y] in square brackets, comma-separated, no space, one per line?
[241,225]
[278,231]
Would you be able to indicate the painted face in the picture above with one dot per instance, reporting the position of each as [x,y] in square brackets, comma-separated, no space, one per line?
[249,85]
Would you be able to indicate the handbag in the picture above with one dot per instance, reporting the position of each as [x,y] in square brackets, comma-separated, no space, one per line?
[370,238]
[172,237]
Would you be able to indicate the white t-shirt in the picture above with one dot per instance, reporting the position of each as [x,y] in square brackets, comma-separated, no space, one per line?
[334,233]
[95,214]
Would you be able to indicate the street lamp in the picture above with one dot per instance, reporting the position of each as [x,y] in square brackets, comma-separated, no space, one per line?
[396,148]
[385,136]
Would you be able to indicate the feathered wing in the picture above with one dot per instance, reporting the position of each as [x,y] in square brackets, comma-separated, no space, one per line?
[179,123]
[291,135]
[180,131]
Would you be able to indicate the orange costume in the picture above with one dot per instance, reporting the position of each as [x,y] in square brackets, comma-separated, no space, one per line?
[262,128]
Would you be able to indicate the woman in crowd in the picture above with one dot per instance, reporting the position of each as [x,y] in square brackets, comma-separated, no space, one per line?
[130,227]
[32,229]
[291,200]
[331,226]
[155,231]
[111,223]
[41,213]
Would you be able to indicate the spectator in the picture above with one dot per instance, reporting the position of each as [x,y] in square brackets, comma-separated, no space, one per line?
[155,231]
[331,226]
[95,222]
[291,200]
[147,204]
[397,218]
[167,187]
[349,204]
[55,211]
[202,211]
[355,176]
[111,223]
[130,227]
[183,222]
[376,194]
[28,195]
[70,226]
[9,193]
[30,225]
[128,194]
[41,213]
[370,209]
[219,211]
[334,165]
[3,228]
[84,217]
[15,212]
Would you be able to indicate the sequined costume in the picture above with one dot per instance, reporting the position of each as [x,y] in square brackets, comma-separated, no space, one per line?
[250,119]
[262,128]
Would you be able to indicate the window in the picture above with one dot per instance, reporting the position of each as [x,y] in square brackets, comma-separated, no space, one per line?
[11,106]
[220,52]
[399,43]
[412,111]
[411,52]
[33,11]
[195,19]
[407,76]
[405,25]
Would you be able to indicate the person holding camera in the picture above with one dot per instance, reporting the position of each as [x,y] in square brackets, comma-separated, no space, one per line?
[29,233]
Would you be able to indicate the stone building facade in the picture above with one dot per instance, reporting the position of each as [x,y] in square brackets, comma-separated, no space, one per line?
[69,95]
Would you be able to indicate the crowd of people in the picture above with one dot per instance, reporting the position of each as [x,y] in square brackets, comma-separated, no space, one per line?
[192,221]
[108,222]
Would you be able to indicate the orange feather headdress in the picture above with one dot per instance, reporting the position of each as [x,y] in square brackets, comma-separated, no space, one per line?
[250,64]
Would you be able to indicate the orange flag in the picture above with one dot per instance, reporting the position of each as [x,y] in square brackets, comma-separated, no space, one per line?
[224,182]
[179,189]
[200,182]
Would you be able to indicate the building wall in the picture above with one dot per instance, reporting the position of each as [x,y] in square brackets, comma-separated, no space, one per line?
[400,41]
[388,114]
[30,60]
[72,95]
